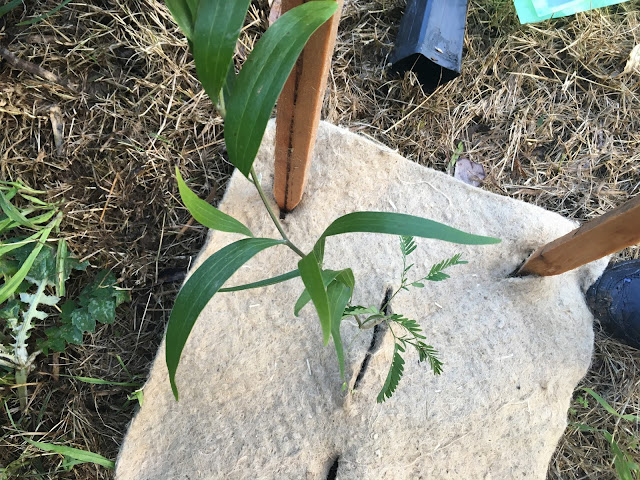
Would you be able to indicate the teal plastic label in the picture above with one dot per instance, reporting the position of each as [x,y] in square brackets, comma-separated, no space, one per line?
[532,11]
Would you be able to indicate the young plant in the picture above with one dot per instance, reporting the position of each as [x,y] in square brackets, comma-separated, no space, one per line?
[13,4]
[70,456]
[35,269]
[413,335]
[624,460]
[245,100]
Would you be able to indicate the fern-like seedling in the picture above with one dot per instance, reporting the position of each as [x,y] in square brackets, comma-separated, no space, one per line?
[413,334]
[413,337]
[436,274]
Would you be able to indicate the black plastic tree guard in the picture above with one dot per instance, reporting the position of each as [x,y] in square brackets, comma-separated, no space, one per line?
[430,40]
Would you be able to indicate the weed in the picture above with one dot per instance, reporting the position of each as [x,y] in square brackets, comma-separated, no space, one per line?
[70,456]
[623,459]
[14,4]
[35,269]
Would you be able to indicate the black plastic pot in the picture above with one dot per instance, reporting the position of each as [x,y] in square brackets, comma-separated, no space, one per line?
[614,300]
[430,40]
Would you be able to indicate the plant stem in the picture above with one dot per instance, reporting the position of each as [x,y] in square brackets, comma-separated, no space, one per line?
[273,216]
[222,109]
[21,381]
[388,302]
[21,358]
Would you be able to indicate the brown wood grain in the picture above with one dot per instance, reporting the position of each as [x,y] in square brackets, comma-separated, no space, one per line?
[298,113]
[610,233]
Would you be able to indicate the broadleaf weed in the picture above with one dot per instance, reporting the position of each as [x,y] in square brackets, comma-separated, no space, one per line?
[35,269]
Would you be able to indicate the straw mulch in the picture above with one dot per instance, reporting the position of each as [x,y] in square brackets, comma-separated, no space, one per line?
[546,109]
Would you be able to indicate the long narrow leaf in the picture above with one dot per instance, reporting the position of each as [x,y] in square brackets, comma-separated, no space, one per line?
[346,276]
[603,403]
[304,298]
[15,186]
[4,9]
[31,21]
[229,86]
[339,293]
[44,217]
[215,33]
[10,286]
[397,224]
[181,13]
[10,192]
[206,214]
[13,213]
[100,381]
[8,247]
[312,278]
[264,283]
[193,7]
[75,453]
[7,224]
[263,76]
[199,289]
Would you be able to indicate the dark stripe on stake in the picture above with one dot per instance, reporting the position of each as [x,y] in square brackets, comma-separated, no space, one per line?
[299,109]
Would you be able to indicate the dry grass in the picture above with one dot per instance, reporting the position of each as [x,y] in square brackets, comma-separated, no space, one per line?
[141,113]
[544,108]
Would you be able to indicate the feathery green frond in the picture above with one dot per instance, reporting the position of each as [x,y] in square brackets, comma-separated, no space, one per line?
[414,338]
[393,377]
[411,326]
[407,245]
[430,354]
[436,273]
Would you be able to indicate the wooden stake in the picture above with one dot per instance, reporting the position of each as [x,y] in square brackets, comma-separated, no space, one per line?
[602,236]
[298,112]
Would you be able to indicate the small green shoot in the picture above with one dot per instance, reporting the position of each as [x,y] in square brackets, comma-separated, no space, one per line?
[137,395]
[413,336]
[454,158]
[73,456]
[623,461]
